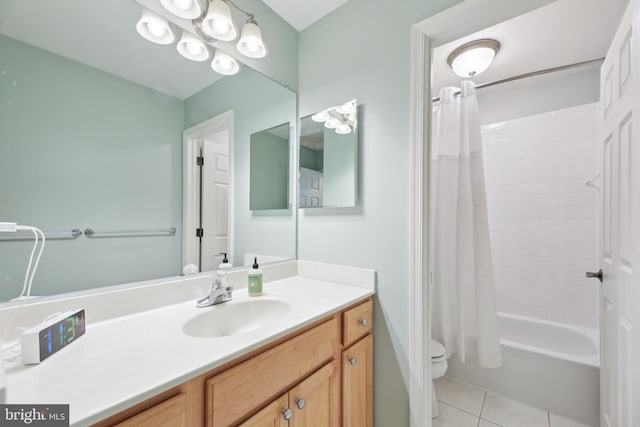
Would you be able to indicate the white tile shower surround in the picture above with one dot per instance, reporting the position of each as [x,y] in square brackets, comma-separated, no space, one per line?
[465,405]
[542,216]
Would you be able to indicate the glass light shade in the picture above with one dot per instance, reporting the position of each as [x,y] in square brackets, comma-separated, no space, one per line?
[320,117]
[218,23]
[347,108]
[250,43]
[186,9]
[224,64]
[192,48]
[473,58]
[343,129]
[332,123]
[155,28]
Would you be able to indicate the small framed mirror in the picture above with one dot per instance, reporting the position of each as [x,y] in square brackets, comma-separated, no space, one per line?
[328,175]
[269,168]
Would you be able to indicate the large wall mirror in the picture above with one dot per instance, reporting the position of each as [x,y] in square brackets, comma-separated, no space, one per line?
[91,136]
[328,175]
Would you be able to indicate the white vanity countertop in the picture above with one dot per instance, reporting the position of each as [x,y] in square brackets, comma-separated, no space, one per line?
[122,361]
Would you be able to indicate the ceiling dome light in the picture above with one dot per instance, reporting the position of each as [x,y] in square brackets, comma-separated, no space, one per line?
[186,9]
[224,64]
[192,48]
[218,23]
[474,57]
[250,43]
[343,129]
[155,28]
[332,123]
[320,117]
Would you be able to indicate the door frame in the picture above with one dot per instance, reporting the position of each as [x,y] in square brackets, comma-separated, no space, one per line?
[191,182]
[457,21]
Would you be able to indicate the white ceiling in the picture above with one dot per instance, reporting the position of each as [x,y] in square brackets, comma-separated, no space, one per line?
[302,13]
[564,32]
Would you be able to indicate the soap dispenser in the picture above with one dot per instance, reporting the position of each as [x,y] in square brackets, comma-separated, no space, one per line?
[225,264]
[255,279]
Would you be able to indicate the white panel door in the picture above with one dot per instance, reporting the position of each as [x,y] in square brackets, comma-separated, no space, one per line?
[620,292]
[310,188]
[215,199]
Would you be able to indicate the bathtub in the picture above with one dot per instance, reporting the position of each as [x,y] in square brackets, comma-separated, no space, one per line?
[549,365]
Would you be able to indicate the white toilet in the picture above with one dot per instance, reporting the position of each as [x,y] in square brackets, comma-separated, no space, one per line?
[438,369]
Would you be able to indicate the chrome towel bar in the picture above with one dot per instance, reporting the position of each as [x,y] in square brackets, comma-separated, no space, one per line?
[90,232]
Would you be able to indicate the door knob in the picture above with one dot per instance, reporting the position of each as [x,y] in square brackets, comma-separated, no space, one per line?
[596,275]
[300,403]
[353,361]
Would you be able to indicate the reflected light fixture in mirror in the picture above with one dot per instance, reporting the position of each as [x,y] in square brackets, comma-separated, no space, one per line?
[155,28]
[340,118]
[224,64]
[211,24]
[185,9]
[474,57]
[192,48]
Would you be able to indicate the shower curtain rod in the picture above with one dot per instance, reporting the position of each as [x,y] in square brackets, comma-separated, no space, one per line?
[532,74]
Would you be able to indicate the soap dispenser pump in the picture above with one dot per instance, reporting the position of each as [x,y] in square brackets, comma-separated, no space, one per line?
[225,264]
[255,279]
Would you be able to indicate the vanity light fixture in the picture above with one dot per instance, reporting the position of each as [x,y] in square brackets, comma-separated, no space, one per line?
[192,48]
[155,28]
[341,118]
[217,23]
[250,43]
[474,57]
[224,64]
[212,22]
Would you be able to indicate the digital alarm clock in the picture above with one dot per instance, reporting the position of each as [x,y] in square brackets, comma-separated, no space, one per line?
[51,336]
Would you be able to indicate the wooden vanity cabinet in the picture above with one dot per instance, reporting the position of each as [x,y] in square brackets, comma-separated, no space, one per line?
[320,376]
[357,366]
[313,402]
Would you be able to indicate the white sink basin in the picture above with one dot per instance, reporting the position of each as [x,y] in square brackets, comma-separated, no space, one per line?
[235,318]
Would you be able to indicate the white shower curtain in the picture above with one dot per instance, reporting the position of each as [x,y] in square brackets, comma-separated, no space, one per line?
[463,305]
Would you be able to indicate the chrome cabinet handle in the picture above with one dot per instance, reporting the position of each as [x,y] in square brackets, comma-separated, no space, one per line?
[596,275]
[353,361]
[287,414]
[300,403]
[364,323]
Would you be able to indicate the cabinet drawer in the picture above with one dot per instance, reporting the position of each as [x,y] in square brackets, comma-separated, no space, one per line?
[234,393]
[170,413]
[357,322]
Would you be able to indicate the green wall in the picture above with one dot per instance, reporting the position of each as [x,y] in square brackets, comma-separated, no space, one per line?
[362,51]
[311,159]
[269,174]
[81,148]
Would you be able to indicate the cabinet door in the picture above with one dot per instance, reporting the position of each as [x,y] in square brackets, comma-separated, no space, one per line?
[170,413]
[271,416]
[315,401]
[357,384]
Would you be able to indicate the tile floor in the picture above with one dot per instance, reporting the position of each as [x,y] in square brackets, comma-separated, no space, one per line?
[464,405]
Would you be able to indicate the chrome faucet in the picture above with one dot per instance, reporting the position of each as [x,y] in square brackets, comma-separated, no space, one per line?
[219,293]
